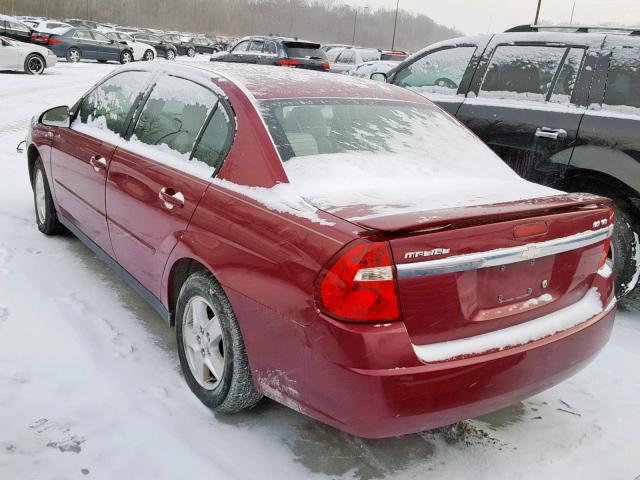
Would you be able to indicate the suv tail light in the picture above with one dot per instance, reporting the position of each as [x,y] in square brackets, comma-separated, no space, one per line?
[360,286]
[288,62]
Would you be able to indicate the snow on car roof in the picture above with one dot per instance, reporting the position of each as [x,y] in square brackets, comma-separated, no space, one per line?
[271,82]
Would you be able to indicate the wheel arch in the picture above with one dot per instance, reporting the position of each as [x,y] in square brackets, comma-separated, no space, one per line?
[180,270]
[32,155]
[592,181]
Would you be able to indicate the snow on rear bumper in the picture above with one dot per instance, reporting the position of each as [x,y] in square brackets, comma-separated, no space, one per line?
[565,321]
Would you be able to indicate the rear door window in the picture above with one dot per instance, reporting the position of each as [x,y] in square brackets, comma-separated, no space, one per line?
[108,105]
[623,82]
[256,46]
[174,115]
[438,72]
[566,81]
[522,72]
[347,57]
[83,35]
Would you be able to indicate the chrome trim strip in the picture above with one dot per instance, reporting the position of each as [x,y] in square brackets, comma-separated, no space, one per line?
[502,256]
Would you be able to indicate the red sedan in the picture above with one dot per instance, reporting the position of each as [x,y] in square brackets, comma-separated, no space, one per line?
[341,246]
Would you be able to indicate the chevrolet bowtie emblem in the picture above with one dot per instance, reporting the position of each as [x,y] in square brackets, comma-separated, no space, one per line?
[531,252]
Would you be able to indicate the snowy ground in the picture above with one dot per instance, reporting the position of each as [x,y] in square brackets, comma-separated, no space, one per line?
[90,385]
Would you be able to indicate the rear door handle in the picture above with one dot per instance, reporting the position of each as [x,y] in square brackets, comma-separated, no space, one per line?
[551,133]
[98,163]
[170,198]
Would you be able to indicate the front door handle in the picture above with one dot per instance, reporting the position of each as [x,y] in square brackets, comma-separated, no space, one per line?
[170,198]
[551,133]
[98,163]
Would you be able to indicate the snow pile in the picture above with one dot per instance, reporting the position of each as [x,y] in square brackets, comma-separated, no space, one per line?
[520,334]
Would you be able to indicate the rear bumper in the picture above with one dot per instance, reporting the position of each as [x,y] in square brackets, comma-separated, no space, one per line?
[377,403]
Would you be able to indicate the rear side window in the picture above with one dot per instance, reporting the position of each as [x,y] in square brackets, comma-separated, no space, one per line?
[304,50]
[438,72]
[566,81]
[270,48]
[83,35]
[623,83]
[216,139]
[174,115]
[347,57]
[108,105]
[522,72]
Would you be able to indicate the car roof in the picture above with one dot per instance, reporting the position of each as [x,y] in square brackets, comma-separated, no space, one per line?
[264,82]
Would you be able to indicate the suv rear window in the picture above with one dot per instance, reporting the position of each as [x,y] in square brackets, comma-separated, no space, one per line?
[623,83]
[304,49]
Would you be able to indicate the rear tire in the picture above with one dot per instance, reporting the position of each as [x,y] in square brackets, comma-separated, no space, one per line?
[34,64]
[191,52]
[46,215]
[624,251]
[73,55]
[210,346]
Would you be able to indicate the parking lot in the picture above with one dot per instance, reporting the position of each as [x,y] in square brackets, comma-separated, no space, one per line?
[90,383]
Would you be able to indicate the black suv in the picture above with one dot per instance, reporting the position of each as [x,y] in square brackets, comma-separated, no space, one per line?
[286,52]
[182,45]
[561,107]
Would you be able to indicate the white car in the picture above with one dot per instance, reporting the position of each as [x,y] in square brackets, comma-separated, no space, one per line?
[25,57]
[346,59]
[365,70]
[141,51]
[48,26]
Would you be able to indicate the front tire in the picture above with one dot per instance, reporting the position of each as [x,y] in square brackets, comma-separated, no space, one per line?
[73,55]
[46,216]
[34,64]
[148,56]
[171,55]
[126,57]
[210,346]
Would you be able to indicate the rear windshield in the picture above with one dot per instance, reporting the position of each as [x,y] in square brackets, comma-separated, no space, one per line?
[304,50]
[314,128]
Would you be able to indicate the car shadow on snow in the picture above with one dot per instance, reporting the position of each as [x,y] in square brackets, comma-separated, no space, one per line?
[318,447]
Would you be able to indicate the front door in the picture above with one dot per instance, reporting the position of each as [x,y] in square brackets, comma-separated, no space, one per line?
[156,179]
[525,107]
[81,154]
[442,75]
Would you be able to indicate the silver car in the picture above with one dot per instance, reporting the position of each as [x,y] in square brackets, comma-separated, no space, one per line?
[25,57]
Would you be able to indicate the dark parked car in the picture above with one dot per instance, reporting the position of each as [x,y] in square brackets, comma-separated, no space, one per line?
[12,28]
[561,108]
[183,46]
[84,44]
[261,220]
[163,48]
[285,52]
[205,45]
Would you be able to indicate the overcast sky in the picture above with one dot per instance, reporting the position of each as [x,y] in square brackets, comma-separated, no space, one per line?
[481,16]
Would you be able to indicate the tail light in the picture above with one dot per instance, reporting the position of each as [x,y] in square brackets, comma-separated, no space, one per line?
[54,41]
[606,246]
[288,62]
[360,286]
[326,66]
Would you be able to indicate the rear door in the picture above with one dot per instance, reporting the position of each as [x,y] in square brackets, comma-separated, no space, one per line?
[526,102]
[157,178]
[442,74]
[608,140]
[344,62]
[105,48]
[85,42]
[81,154]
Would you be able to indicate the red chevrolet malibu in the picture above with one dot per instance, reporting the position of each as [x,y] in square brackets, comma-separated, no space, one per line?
[341,246]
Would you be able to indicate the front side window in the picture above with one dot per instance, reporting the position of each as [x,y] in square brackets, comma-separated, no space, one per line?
[522,72]
[347,57]
[623,82]
[99,37]
[173,116]
[438,72]
[241,47]
[17,27]
[108,105]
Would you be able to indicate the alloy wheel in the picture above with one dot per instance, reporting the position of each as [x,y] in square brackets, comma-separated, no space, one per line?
[35,65]
[203,342]
[41,203]
[126,57]
[74,55]
[148,55]
[170,55]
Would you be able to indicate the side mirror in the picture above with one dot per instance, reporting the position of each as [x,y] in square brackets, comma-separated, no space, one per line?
[379,77]
[56,117]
